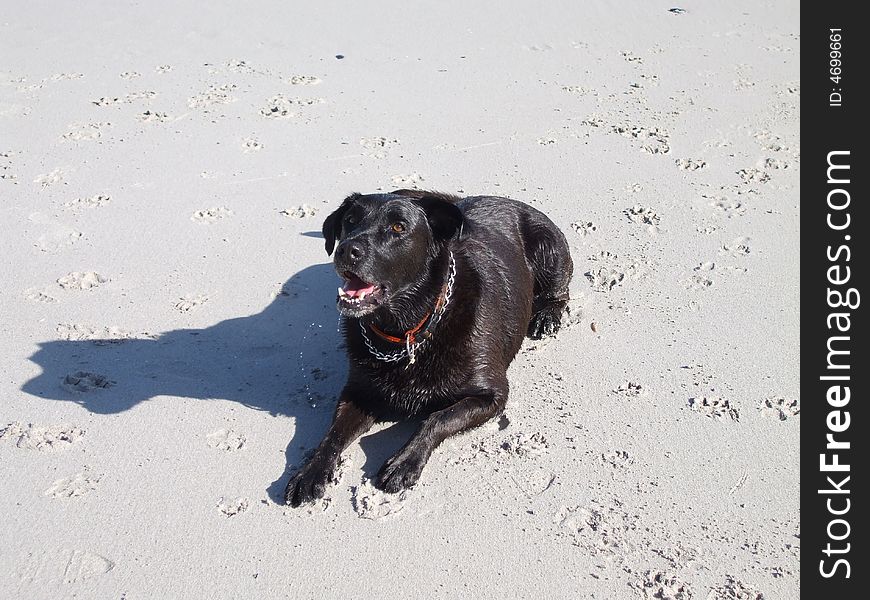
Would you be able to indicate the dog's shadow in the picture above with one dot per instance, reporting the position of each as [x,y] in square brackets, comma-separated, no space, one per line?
[282,360]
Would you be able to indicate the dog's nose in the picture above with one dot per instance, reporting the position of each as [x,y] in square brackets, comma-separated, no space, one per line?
[349,250]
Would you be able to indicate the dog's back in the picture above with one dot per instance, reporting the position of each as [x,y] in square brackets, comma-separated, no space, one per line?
[515,230]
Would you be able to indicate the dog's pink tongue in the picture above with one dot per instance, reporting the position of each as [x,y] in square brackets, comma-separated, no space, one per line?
[355,286]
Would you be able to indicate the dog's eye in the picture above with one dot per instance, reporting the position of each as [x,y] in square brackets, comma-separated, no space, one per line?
[350,220]
[397,228]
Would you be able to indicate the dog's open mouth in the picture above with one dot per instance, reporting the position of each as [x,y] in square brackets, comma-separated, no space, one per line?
[357,296]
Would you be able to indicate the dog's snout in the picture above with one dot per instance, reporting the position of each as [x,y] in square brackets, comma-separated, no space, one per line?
[350,250]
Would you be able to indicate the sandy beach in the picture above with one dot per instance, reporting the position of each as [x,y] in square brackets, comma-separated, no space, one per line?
[170,344]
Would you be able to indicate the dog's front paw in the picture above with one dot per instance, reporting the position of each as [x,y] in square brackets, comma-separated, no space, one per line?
[308,484]
[400,472]
[545,322]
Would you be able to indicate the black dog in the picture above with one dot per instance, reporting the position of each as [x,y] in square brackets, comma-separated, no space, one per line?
[438,293]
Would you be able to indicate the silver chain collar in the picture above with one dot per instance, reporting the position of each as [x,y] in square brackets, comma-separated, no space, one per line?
[410,349]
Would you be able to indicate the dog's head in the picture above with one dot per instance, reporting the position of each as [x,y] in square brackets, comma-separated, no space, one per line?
[385,244]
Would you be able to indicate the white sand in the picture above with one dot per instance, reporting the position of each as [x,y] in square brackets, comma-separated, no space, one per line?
[165,172]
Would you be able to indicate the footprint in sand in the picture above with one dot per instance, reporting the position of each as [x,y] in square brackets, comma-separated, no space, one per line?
[66,76]
[653,140]
[74,486]
[95,201]
[597,528]
[584,227]
[150,116]
[136,96]
[42,439]
[629,389]
[53,178]
[697,282]
[377,146]
[373,504]
[82,281]
[781,408]
[614,271]
[235,65]
[618,459]
[306,101]
[85,382]
[604,279]
[101,336]
[55,236]
[643,215]
[690,164]
[227,440]
[125,99]
[517,445]
[771,141]
[214,95]
[189,302]
[374,143]
[231,508]
[80,132]
[39,296]
[304,80]
[107,101]
[737,247]
[734,589]
[773,164]
[6,164]
[700,279]
[211,215]
[524,444]
[631,57]
[663,585]
[277,107]
[714,407]
[753,175]
[727,206]
[58,238]
[67,566]
[299,212]
[414,180]
[576,89]
[250,145]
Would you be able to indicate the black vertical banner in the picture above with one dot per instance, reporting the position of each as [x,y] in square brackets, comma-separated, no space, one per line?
[834,231]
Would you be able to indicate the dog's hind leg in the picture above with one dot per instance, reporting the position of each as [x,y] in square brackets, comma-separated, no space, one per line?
[403,469]
[550,261]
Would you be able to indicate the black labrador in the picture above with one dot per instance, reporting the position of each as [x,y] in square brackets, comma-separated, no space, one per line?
[438,293]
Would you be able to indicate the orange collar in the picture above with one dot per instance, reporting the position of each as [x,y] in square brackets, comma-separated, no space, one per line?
[422,328]
[410,336]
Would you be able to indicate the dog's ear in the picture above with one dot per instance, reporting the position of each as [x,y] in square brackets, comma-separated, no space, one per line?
[445,218]
[332,224]
[410,193]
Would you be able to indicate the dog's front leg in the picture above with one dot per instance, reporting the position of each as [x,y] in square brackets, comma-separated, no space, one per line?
[309,482]
[403,469]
